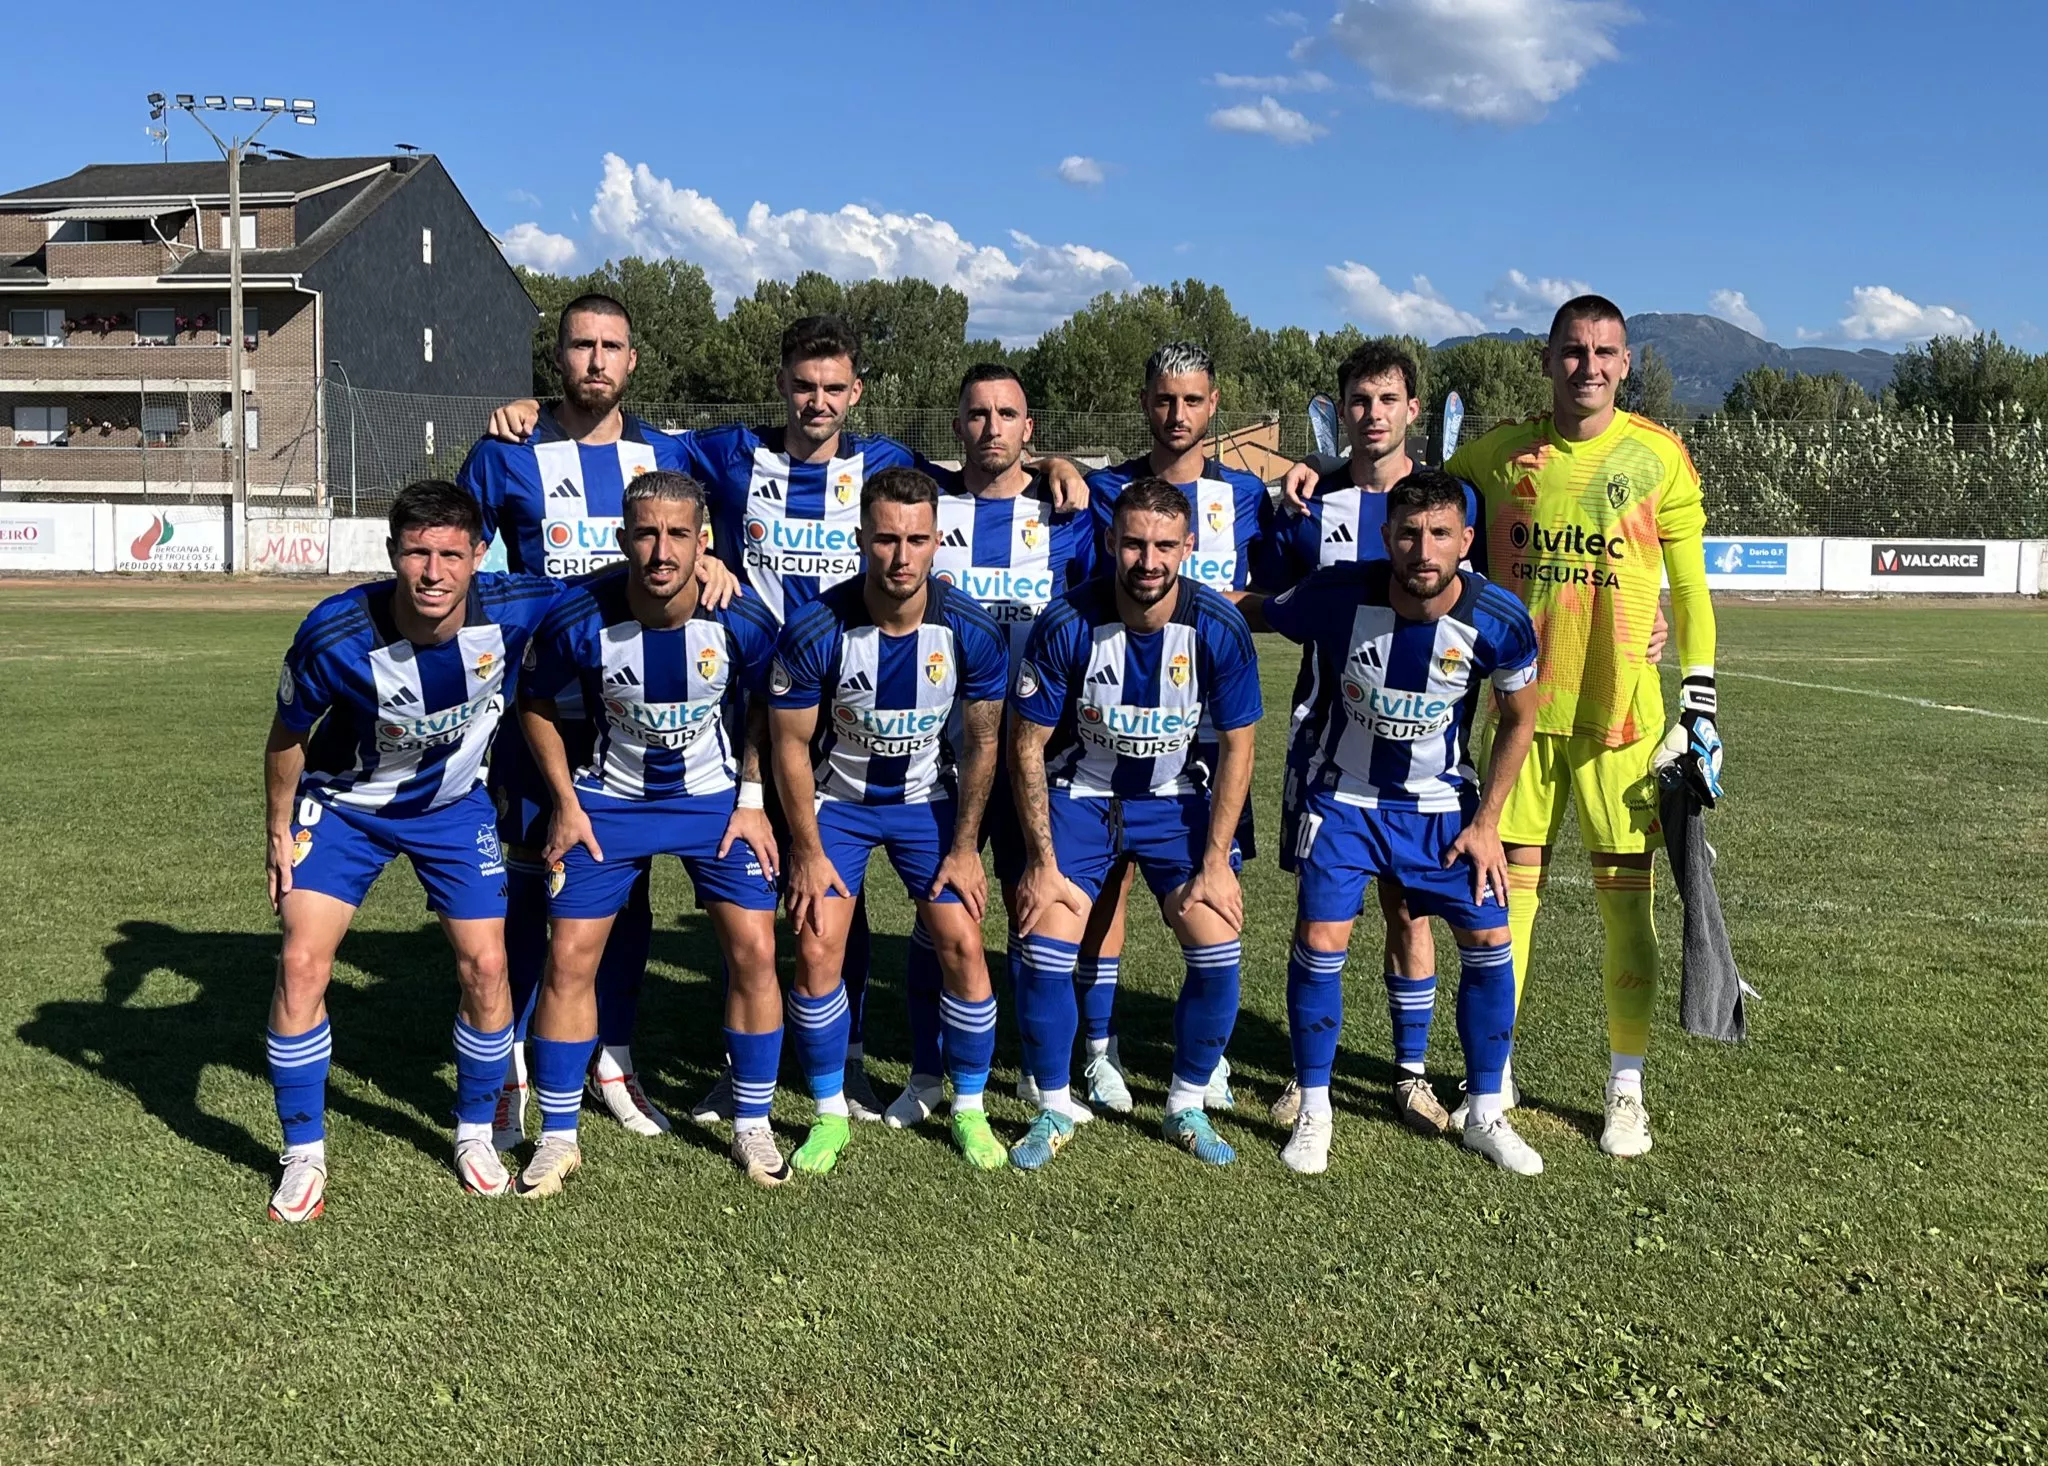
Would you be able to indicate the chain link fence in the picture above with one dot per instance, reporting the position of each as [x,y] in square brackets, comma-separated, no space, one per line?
[1876,476]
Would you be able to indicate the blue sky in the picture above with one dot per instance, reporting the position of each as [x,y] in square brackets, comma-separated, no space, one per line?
[1857,174]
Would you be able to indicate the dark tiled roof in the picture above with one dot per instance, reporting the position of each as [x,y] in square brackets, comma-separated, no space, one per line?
[175,181]
[299,257]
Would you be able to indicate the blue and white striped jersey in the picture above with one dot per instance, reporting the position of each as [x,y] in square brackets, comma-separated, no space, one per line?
[1343,524]
[552,505]
[785,528]
[1233,515]
[886,701]
[1394,699]
[1011,555]
[403,729]
[668,700]
[1124,706]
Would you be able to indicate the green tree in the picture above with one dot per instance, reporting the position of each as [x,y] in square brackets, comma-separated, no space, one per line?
[1094,361]
[674,320]
[913,335]
[1766,392]
[1497,379]
[1648,388]
[1973,380]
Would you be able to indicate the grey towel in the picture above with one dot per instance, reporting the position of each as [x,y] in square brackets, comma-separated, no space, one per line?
[1711,993]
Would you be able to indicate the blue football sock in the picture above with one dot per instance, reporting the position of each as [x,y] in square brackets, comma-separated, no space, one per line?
[1411,1003]
[622,967]
[1046,1012]
[853,971]
[755,1059]
[526,939]
[1206,1010]
[298,1073]
[1486,1014]
[970,1042]
[558,1069]
[921,990]
[480,1060]
[1315,1012]
[1097,977]
[821,1025]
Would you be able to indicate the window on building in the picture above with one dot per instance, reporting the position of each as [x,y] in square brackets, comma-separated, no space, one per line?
[426,246]
[156,326]
[248,231]
[427,344]
[36,327]
[160,425]
[39,425]
[227,428]
[249,320]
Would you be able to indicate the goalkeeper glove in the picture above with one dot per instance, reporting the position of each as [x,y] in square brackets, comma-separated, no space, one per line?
[1694,743]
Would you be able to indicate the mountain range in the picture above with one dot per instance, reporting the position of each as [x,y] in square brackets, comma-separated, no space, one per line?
[1706,354]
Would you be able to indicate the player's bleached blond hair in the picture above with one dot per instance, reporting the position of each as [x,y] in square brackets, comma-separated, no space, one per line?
[1180,359]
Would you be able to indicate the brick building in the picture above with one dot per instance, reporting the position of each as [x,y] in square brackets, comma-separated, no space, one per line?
[114,303]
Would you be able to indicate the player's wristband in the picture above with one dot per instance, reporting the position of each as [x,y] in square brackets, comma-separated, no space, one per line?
[751,795]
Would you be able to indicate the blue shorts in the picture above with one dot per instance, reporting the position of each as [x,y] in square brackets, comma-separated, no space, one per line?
[523,813]
[632,832]
[1342,847]
[1165,835]
[454,850]
[917,837]
[1002,831]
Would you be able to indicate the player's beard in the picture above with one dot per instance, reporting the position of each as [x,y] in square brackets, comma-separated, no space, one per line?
[596,398]
[1142,593]
[1421,589]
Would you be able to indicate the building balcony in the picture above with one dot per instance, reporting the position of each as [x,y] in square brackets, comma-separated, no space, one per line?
[108,259]
[73,368]
[77,471]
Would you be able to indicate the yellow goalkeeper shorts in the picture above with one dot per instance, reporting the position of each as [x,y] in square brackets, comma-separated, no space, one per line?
[1614,790]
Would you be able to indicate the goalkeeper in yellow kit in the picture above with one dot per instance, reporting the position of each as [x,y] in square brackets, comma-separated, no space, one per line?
[1583,509]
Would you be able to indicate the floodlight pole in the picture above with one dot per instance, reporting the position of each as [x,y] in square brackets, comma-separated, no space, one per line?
[238,428]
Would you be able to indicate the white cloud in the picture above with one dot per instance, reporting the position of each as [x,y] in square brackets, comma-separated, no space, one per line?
[1014,294]
[530,245]
[1733,307]
[1517,300]
[1306,81]
[1880,313]
[1418,312]
[1081,172]
[1268,119]
[1292,20]
[521,196]
[1502,61]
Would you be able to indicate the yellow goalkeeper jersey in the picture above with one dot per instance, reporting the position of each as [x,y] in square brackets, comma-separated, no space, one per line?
[1577,531]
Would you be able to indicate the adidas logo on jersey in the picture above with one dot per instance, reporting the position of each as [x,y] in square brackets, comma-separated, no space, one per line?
[1105,677]
[566,489]
[1341,535]
[622,677]
[402,698]
[1368,656]
[858,682]
[771,491]
[956,539]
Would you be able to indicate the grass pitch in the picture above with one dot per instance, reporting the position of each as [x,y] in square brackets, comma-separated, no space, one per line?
[1837,1251]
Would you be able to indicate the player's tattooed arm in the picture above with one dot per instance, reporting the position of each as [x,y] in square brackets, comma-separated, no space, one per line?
[750,822]
[1043,887]
[812,876]
[568,825]
[1513,733]
[284,760]
[962,868]
[1215,885]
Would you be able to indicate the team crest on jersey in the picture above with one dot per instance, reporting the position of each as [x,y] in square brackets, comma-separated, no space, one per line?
[1450,661]
[1034,534]
[638,469]
[558,876]
[287,690]
[842,489]
[779,680]
[486,665]
[1177,670]
[1618,490]
[1216,514]
[302,846]
[707,663]
[935,668]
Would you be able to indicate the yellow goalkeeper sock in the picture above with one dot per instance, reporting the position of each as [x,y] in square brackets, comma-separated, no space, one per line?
[1629,972]
[1525,895]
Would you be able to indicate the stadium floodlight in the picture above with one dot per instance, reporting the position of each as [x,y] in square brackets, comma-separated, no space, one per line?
[184,99]
[302,104]
[245,104]
[219,104]
[156,99]
[304,117]
[273,104]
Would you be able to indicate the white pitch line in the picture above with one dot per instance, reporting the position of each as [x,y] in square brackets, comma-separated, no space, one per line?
[1918,702]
